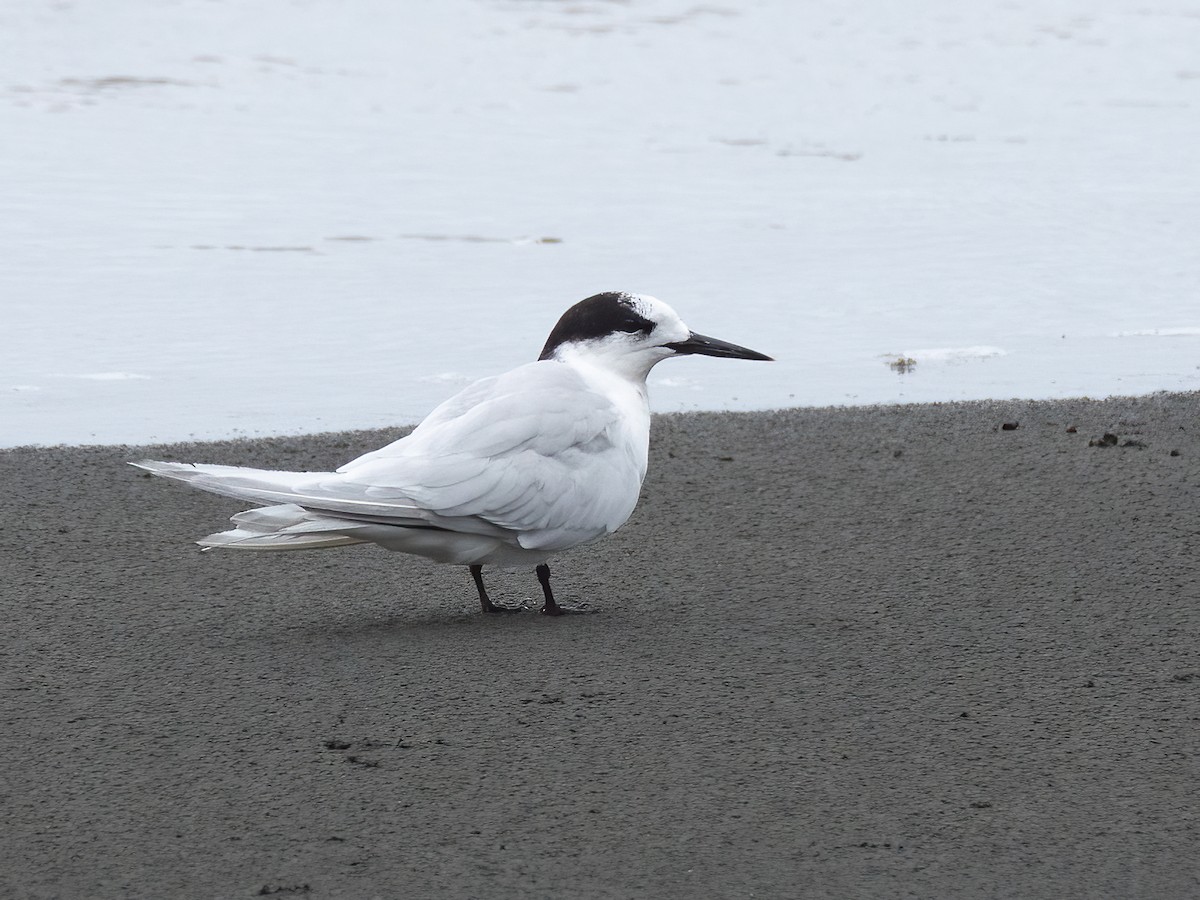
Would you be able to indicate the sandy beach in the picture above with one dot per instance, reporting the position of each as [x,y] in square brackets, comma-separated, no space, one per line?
[872,652]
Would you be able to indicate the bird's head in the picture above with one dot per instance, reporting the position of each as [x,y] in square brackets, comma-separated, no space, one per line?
[630,333]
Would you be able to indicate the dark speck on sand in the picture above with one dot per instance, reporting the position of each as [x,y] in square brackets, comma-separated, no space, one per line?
[877,652]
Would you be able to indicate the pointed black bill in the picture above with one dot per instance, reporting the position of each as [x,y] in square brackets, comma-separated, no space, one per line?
[704,345]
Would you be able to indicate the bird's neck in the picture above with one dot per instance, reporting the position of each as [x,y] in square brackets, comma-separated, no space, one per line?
[631,368]
[625,385]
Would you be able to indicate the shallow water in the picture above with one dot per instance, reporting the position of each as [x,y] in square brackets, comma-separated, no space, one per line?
[282,217]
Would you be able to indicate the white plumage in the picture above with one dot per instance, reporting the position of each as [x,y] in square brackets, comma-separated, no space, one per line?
[509,471]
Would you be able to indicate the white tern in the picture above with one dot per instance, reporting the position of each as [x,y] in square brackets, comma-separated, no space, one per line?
[507,472]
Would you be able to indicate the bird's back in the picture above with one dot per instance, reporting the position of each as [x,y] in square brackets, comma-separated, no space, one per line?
[541,459]
[540,451]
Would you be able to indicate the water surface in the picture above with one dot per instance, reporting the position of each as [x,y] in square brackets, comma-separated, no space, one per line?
[225,218]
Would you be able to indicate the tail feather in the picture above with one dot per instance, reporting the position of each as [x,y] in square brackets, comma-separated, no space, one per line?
[241,482]
[244,539]
[284,527]
[309,510]
[325,491]
[298,512]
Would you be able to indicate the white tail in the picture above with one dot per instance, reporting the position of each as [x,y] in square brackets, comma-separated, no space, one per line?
[284,527]
[315,510]
[255,485]
[281,527]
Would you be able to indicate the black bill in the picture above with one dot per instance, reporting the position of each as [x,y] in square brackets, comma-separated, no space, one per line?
[708,346]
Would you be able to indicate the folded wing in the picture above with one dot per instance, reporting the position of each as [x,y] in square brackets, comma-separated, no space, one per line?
[534,452]
[533,457]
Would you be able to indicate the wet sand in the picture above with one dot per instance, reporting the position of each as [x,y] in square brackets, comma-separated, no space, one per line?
[868,652]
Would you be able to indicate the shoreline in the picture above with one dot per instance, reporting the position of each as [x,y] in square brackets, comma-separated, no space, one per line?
[872,651]
[403,428]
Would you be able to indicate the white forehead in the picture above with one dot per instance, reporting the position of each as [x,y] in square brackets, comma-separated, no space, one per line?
[653,309]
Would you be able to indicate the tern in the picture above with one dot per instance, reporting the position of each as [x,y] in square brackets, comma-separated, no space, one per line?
[508,472]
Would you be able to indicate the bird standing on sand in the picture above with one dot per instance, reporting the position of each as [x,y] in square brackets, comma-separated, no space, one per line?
[507,472]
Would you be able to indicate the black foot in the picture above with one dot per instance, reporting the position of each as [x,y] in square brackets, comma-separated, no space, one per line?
[552,608]
[491,607]
[485,602]
[557,610]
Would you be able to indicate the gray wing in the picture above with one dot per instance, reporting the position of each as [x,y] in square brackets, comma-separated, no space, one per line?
[535,457]
[535,451]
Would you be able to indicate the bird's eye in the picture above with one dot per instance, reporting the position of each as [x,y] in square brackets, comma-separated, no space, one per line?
[634,326]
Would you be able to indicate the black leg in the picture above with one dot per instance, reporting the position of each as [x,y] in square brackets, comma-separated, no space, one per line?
[551,608]
[485,602]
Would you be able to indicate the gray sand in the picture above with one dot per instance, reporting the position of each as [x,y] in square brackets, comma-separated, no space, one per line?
[835,653]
